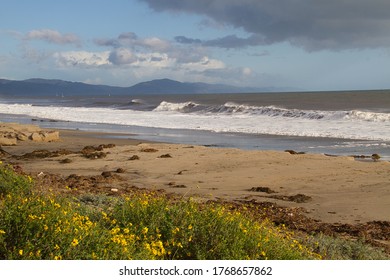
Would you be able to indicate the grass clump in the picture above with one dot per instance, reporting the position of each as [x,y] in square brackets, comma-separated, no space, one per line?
[145,225]
[344,249]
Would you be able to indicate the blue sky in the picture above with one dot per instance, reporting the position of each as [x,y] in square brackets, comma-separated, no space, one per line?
[293,44]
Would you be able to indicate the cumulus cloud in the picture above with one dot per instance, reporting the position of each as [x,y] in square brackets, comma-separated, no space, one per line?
[130,42]
[82,58]
[204,64]
[53,36]
[130,39]
[150,57]
[122,56]
[313,25]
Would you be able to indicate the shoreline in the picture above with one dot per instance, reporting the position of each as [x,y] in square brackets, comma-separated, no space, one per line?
[308,144]
[329,189]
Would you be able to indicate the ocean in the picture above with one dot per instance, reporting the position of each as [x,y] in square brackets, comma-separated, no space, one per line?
[336,123]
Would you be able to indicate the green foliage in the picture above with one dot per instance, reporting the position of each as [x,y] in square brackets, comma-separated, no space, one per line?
[35,225]
[344,249]
[10,182]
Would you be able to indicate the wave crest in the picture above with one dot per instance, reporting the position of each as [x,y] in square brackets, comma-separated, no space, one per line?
[368,116]
[231,108]
[185,107]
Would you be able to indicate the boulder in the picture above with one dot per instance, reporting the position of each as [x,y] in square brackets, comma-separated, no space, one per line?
[36,136]
[11,133]
[5,141]
[49,136]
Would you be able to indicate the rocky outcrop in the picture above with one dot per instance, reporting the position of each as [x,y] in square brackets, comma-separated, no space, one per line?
[11,133]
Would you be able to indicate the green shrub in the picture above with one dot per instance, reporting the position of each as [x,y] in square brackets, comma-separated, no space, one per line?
[10,182]
[44,225]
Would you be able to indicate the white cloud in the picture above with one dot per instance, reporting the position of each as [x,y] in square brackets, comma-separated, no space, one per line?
[122,56]
[82,58]
[204,64]
[149,58]
[155,43]
[53,36]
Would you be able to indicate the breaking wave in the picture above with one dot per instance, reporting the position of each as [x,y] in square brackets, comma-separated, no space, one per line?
[229,117]
[231,108]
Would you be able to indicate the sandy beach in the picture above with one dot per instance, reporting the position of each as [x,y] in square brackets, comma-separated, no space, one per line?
[329,189]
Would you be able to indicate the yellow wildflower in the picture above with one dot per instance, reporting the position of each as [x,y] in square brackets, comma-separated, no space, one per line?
[21,252]
[32,217]
[145,230]
[89,224]
[2,231]
[75,242]
[115,230]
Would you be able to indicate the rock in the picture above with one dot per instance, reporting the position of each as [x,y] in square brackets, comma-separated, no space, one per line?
[299,198]
[149,150]
[91,149]
[22,137]
[66,160]
[5,141]
[181,186]
[95,155]
[13,132]
[165,156]
[134,157]
[262,189]
[375,157]
[106,174]
[106,146]
[50,136]
[36,136]
[120,170]
[292,152]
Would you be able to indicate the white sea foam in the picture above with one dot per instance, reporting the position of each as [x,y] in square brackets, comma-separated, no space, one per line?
[225,118]
[368,116]
[176,107]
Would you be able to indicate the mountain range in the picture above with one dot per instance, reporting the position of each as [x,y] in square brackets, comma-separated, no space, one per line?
[46,87]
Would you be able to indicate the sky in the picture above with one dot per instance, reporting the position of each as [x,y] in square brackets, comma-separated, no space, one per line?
[310,45]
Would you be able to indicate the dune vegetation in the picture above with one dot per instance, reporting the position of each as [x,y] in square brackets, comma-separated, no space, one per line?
[39,223]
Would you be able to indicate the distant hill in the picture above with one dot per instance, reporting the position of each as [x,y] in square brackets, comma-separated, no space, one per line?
[167,86]
[162,86]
